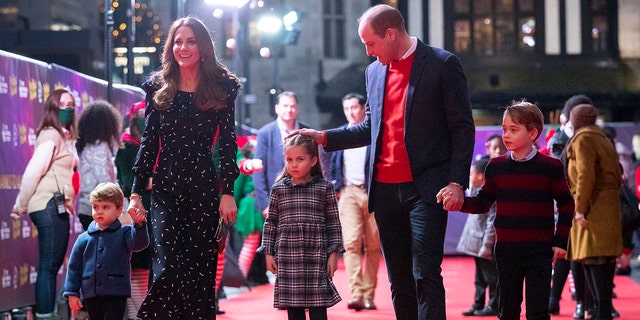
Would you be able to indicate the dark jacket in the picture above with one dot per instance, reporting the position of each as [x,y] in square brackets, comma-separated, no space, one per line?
[337,168]
[99,261]
[439,132]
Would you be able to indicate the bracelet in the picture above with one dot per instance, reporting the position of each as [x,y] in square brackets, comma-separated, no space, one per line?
[456,184]
[134,196]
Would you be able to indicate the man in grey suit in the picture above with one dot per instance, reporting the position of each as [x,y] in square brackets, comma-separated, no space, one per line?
[420,127]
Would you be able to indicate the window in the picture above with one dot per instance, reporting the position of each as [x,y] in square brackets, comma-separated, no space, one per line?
[333,20]
[599,26]
[494,27]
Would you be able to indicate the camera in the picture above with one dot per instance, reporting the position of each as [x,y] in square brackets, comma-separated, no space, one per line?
[58,197]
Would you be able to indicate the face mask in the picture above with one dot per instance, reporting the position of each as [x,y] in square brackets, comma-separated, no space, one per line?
[65,115]
[140,124]
[568,129]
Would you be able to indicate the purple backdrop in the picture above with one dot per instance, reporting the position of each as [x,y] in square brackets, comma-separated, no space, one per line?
[24,84]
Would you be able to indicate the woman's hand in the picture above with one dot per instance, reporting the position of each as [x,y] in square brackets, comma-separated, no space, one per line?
[228,209]
[136,208]
[271,264]
[332,263]
[581,220]
[17,213]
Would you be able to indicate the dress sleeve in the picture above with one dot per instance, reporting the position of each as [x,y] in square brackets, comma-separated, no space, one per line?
[228,146]
[270,229]
[334,230]
[148,152]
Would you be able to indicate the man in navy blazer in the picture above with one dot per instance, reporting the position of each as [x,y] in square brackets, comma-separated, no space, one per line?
[420,127]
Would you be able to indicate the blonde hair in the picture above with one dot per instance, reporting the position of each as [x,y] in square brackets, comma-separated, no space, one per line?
[108,191]
[311,148]
[527,114]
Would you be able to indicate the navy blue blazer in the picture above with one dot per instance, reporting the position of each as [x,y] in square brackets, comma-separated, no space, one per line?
[337,167]
[438,131]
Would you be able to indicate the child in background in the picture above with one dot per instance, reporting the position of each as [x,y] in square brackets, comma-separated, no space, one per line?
[524,186]
[302,235]
[99,268]
[125,158]
[477,239]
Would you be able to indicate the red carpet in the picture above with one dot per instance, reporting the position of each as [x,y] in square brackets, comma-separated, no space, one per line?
[458,273]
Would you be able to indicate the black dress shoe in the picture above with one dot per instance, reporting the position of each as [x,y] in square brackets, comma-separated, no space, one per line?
[470,312]
[356,304]
[554,307]
[369,305]
[579,314]
[486,312]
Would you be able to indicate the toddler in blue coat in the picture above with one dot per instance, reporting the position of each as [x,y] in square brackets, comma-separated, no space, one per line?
[99,272]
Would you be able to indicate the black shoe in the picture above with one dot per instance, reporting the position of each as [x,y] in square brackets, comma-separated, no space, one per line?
[470,312]
[486,312]
[356,304]
[554,307]
[217,308]
[623,271]
[369,305]
[579,314]
[614,313]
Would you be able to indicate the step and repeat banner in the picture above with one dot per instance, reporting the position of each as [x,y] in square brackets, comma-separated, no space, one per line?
[24,85]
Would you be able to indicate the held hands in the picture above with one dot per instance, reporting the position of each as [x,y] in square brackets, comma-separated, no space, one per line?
[75,303]
[559,253]
[271,264]
[136,210]
[451,197]
[228,209]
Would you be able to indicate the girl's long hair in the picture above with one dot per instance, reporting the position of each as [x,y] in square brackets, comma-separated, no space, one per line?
[51,119]
[99,122]
[311,148]
[215,80]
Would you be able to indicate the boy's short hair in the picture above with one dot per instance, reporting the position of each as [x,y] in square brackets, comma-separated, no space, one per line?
[480,165]
[527,114]
[108,191]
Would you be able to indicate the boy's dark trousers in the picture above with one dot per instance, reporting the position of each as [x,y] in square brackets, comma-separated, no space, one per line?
[532,270]
[106,307]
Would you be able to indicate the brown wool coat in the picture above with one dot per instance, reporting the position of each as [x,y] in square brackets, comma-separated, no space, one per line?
[595,178]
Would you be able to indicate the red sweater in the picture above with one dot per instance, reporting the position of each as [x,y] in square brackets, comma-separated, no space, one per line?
[393,161]
[524,193]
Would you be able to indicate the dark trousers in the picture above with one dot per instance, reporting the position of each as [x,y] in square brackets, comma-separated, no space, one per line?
[599,280]
[53,237]
[315,313]
[534,271]
[412,238]
[106,307]
[561,268]
[486,278]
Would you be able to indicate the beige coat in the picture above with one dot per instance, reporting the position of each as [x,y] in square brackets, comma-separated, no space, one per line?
[595,178]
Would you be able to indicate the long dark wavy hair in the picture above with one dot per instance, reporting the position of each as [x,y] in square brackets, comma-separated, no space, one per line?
[99,122]
[51,119]
[215,80]
[311,148]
